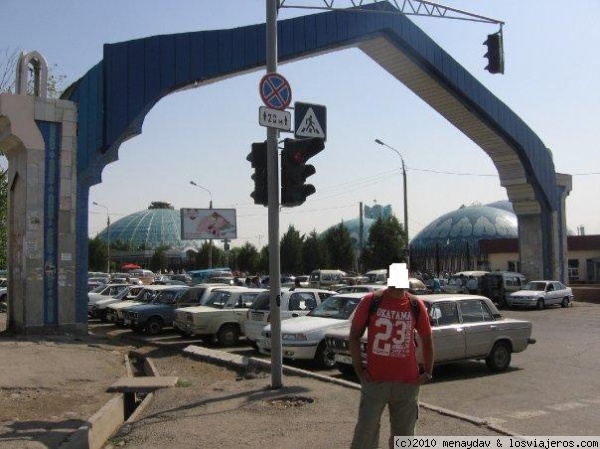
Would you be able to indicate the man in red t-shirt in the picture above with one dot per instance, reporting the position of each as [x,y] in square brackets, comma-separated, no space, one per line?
[392,375]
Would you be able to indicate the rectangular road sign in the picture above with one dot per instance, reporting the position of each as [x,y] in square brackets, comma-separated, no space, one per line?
[310,120]
[274,118]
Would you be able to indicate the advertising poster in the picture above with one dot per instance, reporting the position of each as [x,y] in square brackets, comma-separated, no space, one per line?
[199,224]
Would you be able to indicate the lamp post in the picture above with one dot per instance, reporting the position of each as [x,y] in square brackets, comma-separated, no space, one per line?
[405,199]
[107,236]
[210,206]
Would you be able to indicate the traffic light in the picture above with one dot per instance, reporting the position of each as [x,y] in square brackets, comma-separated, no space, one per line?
[495,53]
[294,170]
[258,159]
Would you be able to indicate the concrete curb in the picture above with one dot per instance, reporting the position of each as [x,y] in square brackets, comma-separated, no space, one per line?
[251,364]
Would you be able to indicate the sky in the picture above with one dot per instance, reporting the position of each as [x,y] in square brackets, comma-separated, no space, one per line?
[204,135]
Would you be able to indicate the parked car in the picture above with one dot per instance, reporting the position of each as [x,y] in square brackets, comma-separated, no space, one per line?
[362,288]
[293,303]
[540,294]
[100,308]
[115,311]
[103,292]
[303,338]
[221,317]
[464,327]
[157,314]
[325,278]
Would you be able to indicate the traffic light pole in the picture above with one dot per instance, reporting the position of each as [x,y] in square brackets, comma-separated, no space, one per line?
[273,188]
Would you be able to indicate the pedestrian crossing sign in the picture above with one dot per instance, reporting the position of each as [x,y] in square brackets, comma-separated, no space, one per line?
[310,120]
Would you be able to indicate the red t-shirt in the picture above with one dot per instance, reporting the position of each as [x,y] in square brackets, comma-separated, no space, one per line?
[391,354]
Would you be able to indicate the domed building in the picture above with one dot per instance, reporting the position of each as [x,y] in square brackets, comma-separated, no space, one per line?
[139,234]
[451,242]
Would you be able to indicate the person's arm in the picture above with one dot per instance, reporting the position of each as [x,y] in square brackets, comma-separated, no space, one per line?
[356,332]
[427,348]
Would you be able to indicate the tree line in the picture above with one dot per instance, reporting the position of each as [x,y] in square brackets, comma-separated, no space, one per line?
[299,253]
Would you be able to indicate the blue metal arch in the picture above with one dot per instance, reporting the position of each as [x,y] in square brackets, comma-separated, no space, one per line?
[116,94]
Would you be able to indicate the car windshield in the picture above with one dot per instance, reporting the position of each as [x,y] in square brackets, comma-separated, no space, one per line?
[146,295]
[338,307]
[123,293]
[166,297]
[535,286]
[218,299]
[98,289]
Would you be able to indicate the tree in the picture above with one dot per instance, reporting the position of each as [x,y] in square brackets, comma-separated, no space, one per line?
[385,244]
[159,260]
[97,254]
[217,255]
[314,253]
[291,251]
[340,248]
[263,260]
[248,258]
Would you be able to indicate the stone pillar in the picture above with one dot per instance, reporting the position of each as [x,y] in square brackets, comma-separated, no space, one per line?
[531,253]
[38,137]
[565,184]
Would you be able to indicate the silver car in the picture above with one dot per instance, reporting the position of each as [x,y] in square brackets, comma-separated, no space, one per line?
[540,294]
[464,327]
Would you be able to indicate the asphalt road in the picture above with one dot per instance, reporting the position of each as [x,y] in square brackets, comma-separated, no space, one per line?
[552,388]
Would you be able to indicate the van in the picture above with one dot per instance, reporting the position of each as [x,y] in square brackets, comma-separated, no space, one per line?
[497,285]
[325,278]
[377,276]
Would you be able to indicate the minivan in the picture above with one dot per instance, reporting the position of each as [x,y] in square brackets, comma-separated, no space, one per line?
[325,278]
[497,285]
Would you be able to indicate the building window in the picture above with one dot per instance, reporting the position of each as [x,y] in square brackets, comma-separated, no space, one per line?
[573,270]
[514,265]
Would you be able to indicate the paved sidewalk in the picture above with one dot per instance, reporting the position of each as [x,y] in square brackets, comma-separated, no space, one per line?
[307,412]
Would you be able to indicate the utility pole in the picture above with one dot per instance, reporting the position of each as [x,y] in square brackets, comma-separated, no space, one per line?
[273,208]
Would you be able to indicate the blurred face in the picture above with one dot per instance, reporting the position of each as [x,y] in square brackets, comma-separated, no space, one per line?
[398,276]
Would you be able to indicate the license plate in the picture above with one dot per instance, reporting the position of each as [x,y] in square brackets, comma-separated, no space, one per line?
[267,343]
[341,358]
[127,322]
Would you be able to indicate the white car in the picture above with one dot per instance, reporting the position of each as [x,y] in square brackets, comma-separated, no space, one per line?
[293,303]
[303,338]
[99,308]
[103,292]
[540,294]
[221,317]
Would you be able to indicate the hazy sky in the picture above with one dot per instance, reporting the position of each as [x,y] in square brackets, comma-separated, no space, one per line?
[204,135]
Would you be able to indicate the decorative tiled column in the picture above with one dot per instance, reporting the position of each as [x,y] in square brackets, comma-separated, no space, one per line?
[38,136]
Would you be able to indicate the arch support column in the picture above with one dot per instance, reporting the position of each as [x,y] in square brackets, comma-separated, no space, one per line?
[38,137]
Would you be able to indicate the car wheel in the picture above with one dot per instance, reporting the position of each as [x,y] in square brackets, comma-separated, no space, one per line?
[499,359]
[103,316]
[565,303]
[324,356]
[154,326]
[345,369]
[540,304]
[228,335]
[254,345]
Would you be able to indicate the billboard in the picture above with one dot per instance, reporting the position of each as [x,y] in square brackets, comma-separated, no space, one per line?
[198,224]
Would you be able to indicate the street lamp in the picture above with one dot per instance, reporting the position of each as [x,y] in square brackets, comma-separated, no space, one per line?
[206,190]
[107,236]
[405,199]
[210,207]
